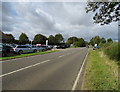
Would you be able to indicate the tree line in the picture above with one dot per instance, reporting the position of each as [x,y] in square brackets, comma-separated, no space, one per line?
[53,40]
[38,39]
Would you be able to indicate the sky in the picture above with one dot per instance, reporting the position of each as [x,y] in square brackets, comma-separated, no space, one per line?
[50,18]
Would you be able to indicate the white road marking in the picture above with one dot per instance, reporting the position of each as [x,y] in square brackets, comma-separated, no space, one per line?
[78,76]
[61,56]
[64,55]
[24,68]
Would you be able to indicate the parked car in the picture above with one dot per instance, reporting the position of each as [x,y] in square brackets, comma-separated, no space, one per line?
[38,48]
[20,49]
[5,50]
[62,46]
[50,47]
[96,47]
[45,48]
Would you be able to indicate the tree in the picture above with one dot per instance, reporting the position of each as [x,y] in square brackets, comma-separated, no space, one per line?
[72,39]
[52,40]
[39,39]
[105,12]
[109,40]
[69,42]
[76,44]
[7,38]
[23,39]
[16,41]
[95,40]
[103,40]
[59,38]
[79,43]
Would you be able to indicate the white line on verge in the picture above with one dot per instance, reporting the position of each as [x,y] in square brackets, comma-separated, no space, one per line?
[79,73]
[24,68]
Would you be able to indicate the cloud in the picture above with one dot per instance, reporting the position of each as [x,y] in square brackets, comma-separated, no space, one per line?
[69,19]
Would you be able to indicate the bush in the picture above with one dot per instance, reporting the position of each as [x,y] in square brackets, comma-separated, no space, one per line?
[113,51]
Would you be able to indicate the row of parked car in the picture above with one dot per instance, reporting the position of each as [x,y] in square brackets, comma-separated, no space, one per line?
[20,49]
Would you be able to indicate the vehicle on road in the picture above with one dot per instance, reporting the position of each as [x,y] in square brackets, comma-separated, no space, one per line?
[96,47]
[20,49]
[5,50]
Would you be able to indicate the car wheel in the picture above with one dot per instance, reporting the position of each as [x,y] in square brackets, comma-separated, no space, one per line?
[35,51]
[20,52]
[4,54]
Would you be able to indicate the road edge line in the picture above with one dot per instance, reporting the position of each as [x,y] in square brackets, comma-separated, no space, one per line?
[79,73]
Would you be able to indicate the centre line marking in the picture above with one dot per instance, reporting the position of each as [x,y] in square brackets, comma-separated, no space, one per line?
[24,68]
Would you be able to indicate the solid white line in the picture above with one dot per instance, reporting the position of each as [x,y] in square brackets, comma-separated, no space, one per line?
[24,68]
[79,73]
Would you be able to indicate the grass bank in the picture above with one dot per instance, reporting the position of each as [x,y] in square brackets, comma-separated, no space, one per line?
[25,55]
[112,50]
[101,73]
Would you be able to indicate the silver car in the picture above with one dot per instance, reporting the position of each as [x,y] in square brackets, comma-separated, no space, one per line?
[20,49]
[38,48]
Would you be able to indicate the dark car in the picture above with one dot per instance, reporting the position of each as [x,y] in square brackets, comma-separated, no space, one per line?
[61,46]
[5,50]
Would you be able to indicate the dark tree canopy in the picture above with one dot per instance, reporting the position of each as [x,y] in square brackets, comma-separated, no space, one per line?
[95,40]
[73,39]
[59,38]
[52,40]
[23,39]
[103,40]
[109,40]
[7,38]
[39,39]
[105,12]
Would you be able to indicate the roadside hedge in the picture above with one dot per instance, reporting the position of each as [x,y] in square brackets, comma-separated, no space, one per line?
[113,51]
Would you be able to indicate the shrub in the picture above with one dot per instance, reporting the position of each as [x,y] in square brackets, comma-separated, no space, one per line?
[113,51]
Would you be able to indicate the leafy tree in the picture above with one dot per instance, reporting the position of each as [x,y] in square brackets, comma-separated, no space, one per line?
[95,40]
[52,40]
[39,39]
[69,42]
[79,43]
[105,12]
[72,39]
[76,44]
[16,41]
[7,38]
[103,40]
[59,38]
[109,40]
[23,39]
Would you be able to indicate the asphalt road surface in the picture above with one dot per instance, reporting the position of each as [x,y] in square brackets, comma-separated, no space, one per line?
[52,71]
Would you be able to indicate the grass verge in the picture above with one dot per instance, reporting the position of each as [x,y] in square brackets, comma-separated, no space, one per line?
[101,73]
[25,55]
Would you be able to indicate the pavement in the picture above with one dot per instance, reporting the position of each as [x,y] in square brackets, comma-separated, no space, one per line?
[51,71]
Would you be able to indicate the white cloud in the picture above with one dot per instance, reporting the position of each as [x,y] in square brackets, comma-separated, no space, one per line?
[69,19]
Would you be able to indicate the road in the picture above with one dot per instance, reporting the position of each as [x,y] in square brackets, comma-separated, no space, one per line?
[52,71]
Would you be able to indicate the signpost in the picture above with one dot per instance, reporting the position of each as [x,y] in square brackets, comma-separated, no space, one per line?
[46,42]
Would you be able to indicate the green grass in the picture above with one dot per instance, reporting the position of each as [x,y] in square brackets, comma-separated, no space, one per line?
[101,73]
[25,55]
